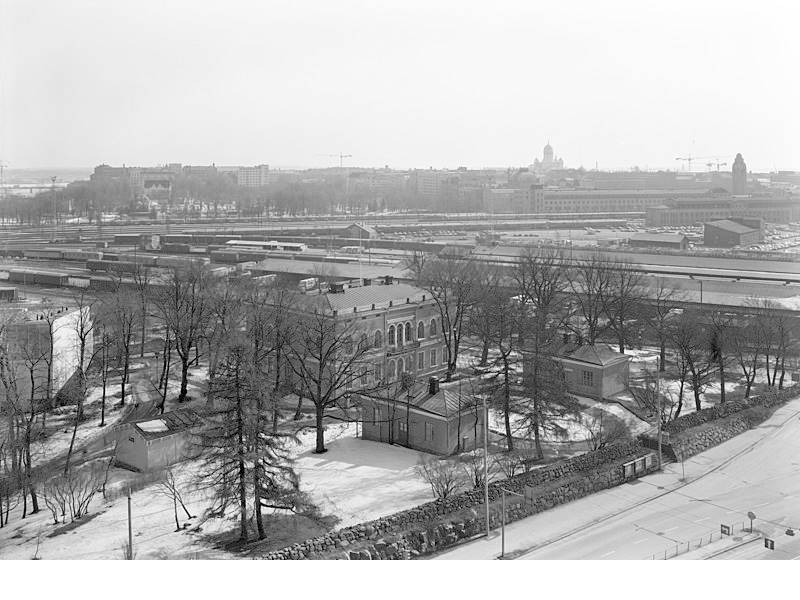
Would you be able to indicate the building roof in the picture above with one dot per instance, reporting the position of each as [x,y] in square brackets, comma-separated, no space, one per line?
[364,297]
[731,226]
[365,228]
[167,424]
[445,403]
[597,354]
[350,270]
[670,238]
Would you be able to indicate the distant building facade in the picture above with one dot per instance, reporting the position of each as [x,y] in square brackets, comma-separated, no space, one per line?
[28,332]
[727,233]
[739,174]
[549,161]
[774,208]
[673,241]
[257,176]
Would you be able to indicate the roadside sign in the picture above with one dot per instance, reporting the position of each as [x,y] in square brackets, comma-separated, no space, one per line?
[725,529]
[769,544]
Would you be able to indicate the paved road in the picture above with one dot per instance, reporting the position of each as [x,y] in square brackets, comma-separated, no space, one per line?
[757,471]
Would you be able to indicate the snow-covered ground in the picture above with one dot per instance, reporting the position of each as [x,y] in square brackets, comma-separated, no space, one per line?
[359,480]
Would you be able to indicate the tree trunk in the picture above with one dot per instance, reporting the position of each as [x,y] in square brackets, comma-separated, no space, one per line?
[721,381]
[485,352]
[680,401]
[320,447]
[507,405]
[103,403]
[783,371]
[122,383]
[298,412]
[662,356]
[184,378]
[696,390]
[242,472]
[257,504]
[175,511]
[29,471]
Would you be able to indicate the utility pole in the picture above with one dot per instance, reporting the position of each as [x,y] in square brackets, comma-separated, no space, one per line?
[658,415]
[130,528]
[486,461]
[503,526]
[53,194]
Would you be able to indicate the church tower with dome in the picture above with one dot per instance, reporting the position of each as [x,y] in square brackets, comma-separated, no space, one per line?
[549,161]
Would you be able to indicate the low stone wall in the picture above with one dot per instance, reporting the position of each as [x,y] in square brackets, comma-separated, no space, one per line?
[768,400]
[696,432]
[440,524]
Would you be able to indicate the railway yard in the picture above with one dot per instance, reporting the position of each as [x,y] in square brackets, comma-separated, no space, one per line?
[82,256]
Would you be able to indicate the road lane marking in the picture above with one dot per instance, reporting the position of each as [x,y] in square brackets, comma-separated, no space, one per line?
[608,554]
[670,529]
[640,541]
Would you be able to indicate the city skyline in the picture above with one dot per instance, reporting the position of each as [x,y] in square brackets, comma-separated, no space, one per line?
[402,85]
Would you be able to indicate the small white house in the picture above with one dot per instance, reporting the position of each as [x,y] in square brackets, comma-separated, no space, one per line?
[156,442]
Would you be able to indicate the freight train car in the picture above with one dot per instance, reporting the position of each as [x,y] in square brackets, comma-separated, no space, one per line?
[44,254]
[147,260]
[176,238]
[126,239]
[112,266]
[37,277]
[82,255]
[181,262]
[175,248]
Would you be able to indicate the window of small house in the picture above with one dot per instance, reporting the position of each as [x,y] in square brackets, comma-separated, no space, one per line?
[588,378]
[428,432]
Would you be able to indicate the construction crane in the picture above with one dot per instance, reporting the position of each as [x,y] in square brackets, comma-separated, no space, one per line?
[718,165]
[690,158]
[340,156]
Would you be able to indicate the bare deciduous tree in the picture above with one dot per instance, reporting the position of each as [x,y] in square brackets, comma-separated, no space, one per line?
[453,283]
[443,475]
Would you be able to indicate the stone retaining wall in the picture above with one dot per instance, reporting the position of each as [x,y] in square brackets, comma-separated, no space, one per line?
[440,524]
[699,431]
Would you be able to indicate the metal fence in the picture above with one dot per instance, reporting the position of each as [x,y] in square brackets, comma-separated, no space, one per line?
[680,548]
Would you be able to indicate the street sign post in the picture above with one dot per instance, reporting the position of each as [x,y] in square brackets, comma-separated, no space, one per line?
[769,544]
[725,529]
[752,516]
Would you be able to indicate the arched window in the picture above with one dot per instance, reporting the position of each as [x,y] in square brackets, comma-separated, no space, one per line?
[400,335]
[391,335]
[409,337]
[378,339]
[421,331]
[391,371]
[363,342]
[407,367]
[433,327]
[348,345]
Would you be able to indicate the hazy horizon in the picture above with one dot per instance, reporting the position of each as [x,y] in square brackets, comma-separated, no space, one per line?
[408,85]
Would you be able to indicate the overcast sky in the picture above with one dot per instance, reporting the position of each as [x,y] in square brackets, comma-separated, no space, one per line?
[404,84]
